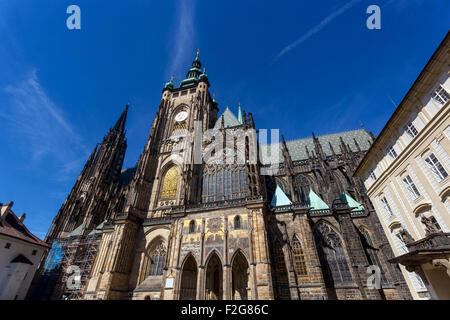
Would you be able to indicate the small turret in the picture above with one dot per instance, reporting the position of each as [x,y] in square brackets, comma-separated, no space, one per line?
[169,85]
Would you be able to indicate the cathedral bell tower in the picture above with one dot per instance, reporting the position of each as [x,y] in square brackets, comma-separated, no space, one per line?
[166,177]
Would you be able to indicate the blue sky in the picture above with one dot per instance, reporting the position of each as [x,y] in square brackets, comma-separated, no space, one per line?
[299,66]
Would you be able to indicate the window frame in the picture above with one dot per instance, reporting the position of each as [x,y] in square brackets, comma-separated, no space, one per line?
[438,174]
[411,187]
[440,95]
[386,207]
[411,129]
[392,153]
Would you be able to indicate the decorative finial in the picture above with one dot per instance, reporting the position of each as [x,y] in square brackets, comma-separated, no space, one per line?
[171,78]
[204,70]
[198,53]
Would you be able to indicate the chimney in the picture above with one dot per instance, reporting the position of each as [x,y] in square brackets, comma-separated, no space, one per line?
[22,217]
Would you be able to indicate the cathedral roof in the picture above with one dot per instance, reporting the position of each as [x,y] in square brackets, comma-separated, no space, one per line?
[330,143]
[229,119]
[352,203]
[12,226]
[280,198]
[315,202]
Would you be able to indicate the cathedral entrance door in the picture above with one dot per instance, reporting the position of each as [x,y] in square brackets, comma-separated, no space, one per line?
[214,290]
[240,274]
[188,286]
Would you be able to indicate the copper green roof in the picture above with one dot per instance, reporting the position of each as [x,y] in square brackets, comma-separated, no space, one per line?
[351,202]
[229,118]
[297,148]
[315,202]
[280,198]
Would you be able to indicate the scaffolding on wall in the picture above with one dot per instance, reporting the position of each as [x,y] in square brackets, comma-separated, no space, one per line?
[67,268]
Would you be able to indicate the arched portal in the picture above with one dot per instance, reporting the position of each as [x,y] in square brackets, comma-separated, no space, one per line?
[240,277]
[188,286]
[214,276]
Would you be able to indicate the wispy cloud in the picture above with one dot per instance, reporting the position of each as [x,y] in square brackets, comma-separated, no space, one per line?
[183,40]
[316,29]
[40,128]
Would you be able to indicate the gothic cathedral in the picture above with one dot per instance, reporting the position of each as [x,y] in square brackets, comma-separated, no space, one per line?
[175,227]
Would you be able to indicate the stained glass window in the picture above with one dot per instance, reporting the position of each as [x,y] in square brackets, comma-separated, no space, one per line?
[299,257]
[237,222]
[158,258]
[332,255]
[192,226]
[170,184]
[224,182]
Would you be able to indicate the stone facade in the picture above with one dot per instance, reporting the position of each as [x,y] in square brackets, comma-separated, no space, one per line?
[227,230]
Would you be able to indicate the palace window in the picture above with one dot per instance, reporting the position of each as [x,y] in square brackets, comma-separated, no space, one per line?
[386,207]
[157,260]
[440,95]
[372,175]
[170,184]
[410,130]
[411,187]
[332,255]
[436,167]
[299,258]
[392,153]
[224,182]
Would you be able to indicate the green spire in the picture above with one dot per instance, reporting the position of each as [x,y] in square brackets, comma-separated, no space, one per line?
[240,113]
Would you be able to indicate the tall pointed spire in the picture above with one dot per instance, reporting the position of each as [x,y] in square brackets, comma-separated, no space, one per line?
[120,125]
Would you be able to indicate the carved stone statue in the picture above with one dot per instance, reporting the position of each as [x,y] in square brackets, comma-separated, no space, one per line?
[430,226]
[407,238]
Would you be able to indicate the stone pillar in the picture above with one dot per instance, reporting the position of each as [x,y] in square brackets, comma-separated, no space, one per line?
[261,263]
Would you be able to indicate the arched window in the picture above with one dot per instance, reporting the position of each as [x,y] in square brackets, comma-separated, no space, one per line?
[299,257]
[157,260]
[332,256]
[179,129]
[224,182]
[237,222]
[192,226]
[170,184]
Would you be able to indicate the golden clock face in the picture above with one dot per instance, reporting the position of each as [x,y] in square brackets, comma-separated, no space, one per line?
[181,116]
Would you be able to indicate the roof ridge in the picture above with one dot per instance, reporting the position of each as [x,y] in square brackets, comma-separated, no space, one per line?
[326,135]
